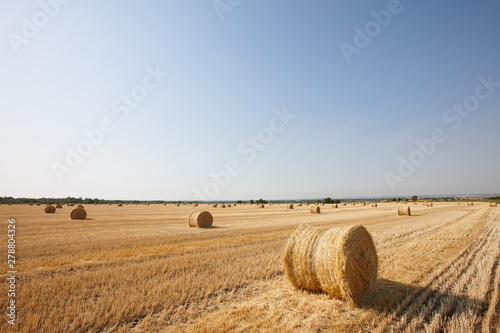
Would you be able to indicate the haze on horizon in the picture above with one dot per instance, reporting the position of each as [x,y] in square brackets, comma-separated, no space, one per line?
[180,100]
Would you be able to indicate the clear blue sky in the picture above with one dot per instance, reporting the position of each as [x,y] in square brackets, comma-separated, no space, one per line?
[64,70]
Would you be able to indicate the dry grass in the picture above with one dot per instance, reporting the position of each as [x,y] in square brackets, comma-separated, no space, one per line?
[139,269]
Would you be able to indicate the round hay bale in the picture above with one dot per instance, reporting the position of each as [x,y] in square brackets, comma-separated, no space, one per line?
[196,205]
[222,206]
[335,206]
[229,205]
[78,214]
[404,210]
[38,204]
[289,206]
[201,219]
[177,205]
[344,204]
[120,205]
[430,204]
[494,204]
[58,206]
[374,205]
[261,206]
[470,204]
[300,204]
[215,205]
[340,261]
[315,210]
[28,204]
[363,204]
[50,209]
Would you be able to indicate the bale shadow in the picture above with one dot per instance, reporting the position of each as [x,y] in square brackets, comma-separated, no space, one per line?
[386,297]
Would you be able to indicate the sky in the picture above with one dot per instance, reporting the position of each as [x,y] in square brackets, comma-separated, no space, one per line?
[228,100]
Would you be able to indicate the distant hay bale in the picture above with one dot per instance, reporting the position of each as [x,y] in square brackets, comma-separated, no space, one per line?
[374,205]
[261,206]
[47,205]
[120,205]
[201,219]
[335,206]
[404,210]
[493,204]
[299,204]
[459,203]
[58,206]
[228,205]
[177,205]
[78,214]
[430,204]
[340,261]
[29,204]
[214,205]
[470,204]
[38,204]
[363,204]
[344,204]
[322,204]
[315,210]
[50,209]
[289,206]
[80,206]
[196,205]
[222,206]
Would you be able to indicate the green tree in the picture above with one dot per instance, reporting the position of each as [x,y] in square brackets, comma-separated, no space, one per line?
[327,200]
[414,198]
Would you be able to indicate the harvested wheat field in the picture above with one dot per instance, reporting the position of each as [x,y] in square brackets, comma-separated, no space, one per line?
[141,268]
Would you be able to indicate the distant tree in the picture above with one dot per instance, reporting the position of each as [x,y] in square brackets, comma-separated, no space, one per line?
[394,199]
[414,198]
[262,201]
[337,201]
[327,200]
[239,202]
[251,201]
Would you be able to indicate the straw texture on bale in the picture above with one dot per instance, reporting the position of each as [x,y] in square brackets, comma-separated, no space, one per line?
[493,204]
[339,261]
[344,204]
[261,206]
[470,204]
[50,209]
[300,205]
[201,219]
[58,206]
[335,206]
[222,206]
[78,214]
[315,210]
[119,205]
[404,210]
[289,206]
[374,205]
[430,204]
[196,205]
[80,206]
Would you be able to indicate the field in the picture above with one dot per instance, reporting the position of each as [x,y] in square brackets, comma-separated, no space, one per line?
[140,268]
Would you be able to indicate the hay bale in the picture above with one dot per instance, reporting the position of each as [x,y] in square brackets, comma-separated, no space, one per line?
[215,205]
[222,206]
[38,204]
[335,206]
[315,210]
[80,206]
[58,206]
[340,261]
[300,204]
[430,204]
[78,214]
[374,205]
[29,204]
[196,205]
[50,209]
[404,210]
[289,206]
[344,204]
[494,204]
[228,205]
[261,206]
[470,204]
[120,205]
[201,219]
[363,204]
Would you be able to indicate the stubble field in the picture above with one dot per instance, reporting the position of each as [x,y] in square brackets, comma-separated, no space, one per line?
[140,268]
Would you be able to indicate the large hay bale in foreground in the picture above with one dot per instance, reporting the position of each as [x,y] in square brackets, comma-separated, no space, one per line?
[50,209]
[404,210]
[201,219]
[494,204]
[315,210]
[339,261]
[78,214]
